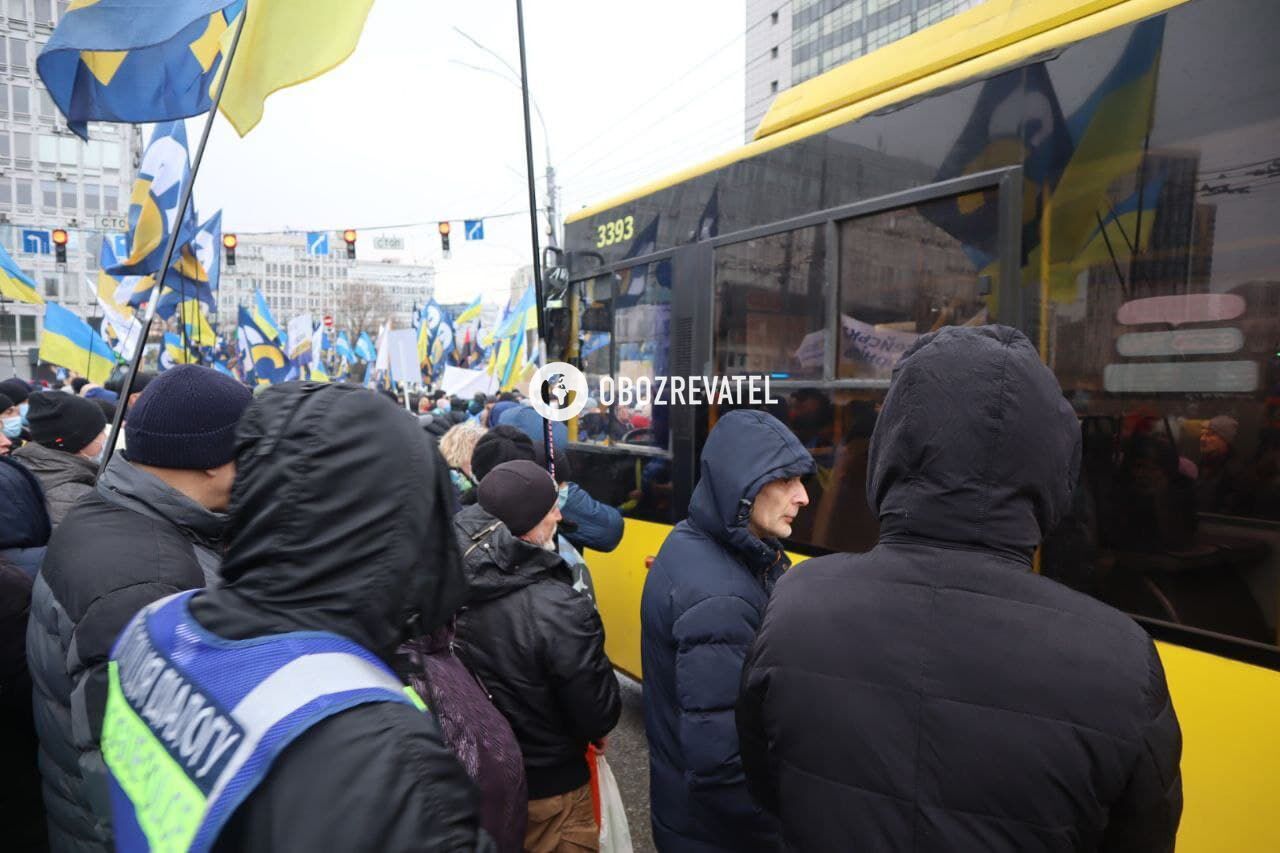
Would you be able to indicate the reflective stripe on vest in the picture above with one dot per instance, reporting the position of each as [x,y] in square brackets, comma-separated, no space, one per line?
[193,721]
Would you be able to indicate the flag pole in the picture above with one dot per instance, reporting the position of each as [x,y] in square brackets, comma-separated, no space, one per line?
[136,361]
[547,440]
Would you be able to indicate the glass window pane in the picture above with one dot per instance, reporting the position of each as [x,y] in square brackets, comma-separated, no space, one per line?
[111,155]
[51,287]
[17,53]
[47,148]
[69,151]
[642,335]
[21,101]
[68,194]
[22,192]
[47,109]
[5,150]
[4,94]
[28,328]
[22,147]
[8,325]
[49,195]
[17,9]
[594,299]
[110,198]
[92,198]
[6,191]
[771,305]
[43,10]
[909,271]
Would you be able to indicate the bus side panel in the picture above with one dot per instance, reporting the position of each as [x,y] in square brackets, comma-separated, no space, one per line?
[619,582]
[1230,751]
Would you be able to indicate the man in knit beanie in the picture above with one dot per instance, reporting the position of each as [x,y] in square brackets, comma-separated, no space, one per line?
[153,526]
[537,645]
[67,437]
[1221,482]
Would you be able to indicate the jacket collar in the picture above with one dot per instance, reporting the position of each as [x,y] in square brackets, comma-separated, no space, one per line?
[132,488]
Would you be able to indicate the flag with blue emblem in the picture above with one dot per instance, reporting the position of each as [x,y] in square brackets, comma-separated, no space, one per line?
[15,284]
[175,352]
[260,350]
[70,342]
[134,61]
[153,207]
[197,267]
[131,290]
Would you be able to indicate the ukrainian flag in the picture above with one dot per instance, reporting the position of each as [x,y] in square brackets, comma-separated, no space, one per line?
[16,284]
[72,343]
[469,314]
[199,332]
[523,316]
[175,352]
[153,207]
[135,61]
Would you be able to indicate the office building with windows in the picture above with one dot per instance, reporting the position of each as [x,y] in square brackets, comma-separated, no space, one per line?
[51,179]
[310,273]
[789,42]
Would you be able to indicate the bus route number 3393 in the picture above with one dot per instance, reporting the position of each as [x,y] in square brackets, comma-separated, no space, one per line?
[615,232]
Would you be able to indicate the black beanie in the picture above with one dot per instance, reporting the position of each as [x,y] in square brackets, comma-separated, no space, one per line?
[186,418]
[500,444]
[63,421]
[16,390]
[519,494]
[5,402]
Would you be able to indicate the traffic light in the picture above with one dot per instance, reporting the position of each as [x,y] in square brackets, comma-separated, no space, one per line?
[60,245]
[229,243]
[444,238]
[350,236]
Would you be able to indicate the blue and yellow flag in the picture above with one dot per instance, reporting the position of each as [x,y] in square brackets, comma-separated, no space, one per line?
[15,284]
[522,317]
[195,270]
[175,353]
[469,314]
[199,332]
[153,207]
[261,314]
[135,61]
[261,350]
[70,342]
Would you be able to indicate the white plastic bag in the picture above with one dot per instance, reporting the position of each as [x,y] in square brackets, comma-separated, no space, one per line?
[615,834]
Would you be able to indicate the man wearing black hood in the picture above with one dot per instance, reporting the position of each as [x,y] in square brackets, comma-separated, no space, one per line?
[702,605]
[934,694]
[337,552]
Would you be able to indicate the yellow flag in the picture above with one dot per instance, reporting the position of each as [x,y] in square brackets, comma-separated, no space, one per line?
[286,42]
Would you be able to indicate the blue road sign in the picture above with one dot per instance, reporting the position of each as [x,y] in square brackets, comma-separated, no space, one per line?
[317,242]
[36,242]
[474,228]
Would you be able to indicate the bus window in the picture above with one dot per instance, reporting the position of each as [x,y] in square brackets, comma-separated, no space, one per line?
[771,305]
[641,324]
[592,299]
[908,271]
[1162,322]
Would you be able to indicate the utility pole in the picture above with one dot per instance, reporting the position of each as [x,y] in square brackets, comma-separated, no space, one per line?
[552,223]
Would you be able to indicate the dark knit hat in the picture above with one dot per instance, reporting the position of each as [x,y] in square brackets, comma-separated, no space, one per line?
[78,384]
[64,421]
[5,402]
[519,494]
[16,390]
[186,418]
[500,444]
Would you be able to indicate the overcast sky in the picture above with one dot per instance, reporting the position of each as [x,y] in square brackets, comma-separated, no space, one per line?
[401,132]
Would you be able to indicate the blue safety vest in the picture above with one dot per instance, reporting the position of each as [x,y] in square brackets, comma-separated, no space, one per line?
[194,722]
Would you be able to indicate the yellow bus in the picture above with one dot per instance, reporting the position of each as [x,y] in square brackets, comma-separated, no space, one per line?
[1102,174]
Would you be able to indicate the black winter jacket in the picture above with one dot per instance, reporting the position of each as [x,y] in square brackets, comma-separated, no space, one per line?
[934,694]
[348,537]
[131,541]
[24,517]
[65,477]
[537,645]
[703,602]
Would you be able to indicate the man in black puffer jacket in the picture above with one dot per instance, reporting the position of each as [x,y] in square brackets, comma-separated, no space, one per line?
[934,694]
[537,646]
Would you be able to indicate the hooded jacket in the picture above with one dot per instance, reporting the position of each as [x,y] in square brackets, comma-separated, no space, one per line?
[328,533]
[537,646]
[702,605]
[131,541]
[24,518]
[934,694]
[66,477]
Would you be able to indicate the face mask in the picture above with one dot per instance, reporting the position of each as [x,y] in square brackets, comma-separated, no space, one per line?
[13,426]
[22,411]
[562,496]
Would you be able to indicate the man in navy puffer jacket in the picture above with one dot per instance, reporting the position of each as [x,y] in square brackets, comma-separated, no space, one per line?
[703,602]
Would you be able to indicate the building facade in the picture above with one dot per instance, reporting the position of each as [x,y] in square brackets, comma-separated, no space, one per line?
[790,42]
[298,273]
[50,179]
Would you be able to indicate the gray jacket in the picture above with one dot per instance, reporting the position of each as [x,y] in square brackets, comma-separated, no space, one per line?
[131,541]
[66,477]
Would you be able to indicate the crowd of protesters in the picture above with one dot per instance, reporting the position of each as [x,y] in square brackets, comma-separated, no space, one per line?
[228,637]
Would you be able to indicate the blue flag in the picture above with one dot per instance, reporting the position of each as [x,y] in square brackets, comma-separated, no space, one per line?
[365,349]
[153,207]
[195,271]
[260,351]
[135,61]
[343,347]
